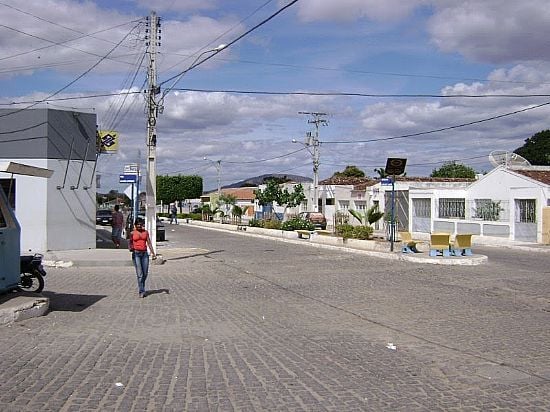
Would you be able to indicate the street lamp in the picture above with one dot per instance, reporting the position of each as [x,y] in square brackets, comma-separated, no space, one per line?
[218,165]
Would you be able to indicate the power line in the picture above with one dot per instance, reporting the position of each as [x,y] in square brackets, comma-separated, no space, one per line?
[73,81]
[355,94]
[179,75]
[265,160]
[440,129]
[220,36]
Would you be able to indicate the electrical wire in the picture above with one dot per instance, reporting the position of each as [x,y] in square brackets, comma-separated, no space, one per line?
[73,81]
[440,129]
[355,94]
[264,160]
[60,25]
[213,41]
[182,73]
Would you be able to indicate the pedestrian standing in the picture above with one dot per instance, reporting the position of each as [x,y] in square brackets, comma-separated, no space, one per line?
[138,243]
[174,214]
[117,224]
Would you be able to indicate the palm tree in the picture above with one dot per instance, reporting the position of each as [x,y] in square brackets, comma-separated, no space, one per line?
[371,216]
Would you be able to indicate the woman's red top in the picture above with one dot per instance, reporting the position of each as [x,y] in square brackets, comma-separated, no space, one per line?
[139,240]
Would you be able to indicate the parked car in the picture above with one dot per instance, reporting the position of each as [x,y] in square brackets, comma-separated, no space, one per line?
[104,217]
[317,218]
[161,230]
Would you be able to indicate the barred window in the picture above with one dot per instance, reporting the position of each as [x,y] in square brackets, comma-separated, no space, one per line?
[344,205]
[422,207]
[452,208]
[526,210]
[487,209]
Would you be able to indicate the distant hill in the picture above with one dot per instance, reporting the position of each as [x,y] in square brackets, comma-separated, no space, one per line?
[258,180]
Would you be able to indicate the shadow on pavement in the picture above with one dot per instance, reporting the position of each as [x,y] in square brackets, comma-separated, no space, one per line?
[207,254]
[67,302]
[104,241]
[154,292]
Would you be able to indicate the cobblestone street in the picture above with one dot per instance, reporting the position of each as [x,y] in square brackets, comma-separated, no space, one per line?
[244,324]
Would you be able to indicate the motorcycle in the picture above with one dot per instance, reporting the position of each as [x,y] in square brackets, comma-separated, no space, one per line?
[32,273]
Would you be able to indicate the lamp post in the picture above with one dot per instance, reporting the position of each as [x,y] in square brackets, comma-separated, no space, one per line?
[218,165]
[312,145]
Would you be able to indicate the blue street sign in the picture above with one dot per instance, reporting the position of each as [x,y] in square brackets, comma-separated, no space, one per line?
[386,181]
[127,178]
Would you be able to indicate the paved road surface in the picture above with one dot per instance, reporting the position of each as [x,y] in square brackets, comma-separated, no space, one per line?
[242,323]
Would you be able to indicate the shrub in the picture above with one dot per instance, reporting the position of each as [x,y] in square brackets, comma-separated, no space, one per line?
[256,223]
[297,223]
[362,232]
[272,224]
[345,230]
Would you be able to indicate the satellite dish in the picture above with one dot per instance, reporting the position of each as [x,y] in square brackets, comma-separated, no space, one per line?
[507,159]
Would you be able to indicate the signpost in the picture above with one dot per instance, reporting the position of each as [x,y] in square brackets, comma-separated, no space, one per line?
[394,166]
[131,175]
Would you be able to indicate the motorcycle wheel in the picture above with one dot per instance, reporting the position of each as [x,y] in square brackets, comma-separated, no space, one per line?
[31,283]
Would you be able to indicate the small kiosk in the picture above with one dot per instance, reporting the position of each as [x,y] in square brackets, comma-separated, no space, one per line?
[10,231]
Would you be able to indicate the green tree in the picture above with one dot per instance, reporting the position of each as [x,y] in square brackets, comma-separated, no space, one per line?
[454,170]
[274,194]
[171,188]
[350,171]
[536,149]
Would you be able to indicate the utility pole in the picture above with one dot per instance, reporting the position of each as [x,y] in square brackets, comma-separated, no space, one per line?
[152,39]
[313,142]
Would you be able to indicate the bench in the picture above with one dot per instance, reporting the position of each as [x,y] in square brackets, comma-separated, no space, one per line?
[439,243]
[303,234]
[324,232]
[462,245]
[241,227]
[409,245]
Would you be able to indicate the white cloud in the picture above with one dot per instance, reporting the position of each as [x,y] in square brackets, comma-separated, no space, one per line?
[348,10]
[493,30]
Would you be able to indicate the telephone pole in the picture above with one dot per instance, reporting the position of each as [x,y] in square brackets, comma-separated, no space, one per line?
[312,140]
[153,40]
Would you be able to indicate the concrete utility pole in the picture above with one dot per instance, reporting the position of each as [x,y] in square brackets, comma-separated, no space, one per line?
[312,140]
[152,38]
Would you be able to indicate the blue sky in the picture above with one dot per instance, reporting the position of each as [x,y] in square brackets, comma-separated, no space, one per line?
[438,48]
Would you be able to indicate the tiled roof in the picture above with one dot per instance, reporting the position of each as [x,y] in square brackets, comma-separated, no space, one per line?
[542,176]
[361,183]
[242,193]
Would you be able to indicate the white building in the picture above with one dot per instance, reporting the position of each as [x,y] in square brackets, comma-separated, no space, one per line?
[508,203]
[56,213]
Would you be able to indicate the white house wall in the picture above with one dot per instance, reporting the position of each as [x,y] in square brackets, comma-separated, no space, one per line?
[52,218]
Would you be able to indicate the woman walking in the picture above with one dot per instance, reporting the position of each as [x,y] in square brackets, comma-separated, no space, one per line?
[138,243]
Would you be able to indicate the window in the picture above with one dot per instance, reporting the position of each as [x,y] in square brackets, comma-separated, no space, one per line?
[344,205]
[526,211]
[452,208]
[487,209]
[422,208]
[360,206]
[329,201]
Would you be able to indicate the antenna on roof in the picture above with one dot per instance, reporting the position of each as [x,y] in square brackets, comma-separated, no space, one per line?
[507,159]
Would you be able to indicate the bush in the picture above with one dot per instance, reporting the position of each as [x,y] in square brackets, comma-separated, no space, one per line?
[272,224]
[297,223]
[348,231]
[256,223]
[362,232]
[345,230]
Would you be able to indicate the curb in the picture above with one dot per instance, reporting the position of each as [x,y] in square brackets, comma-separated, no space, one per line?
[16,307]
